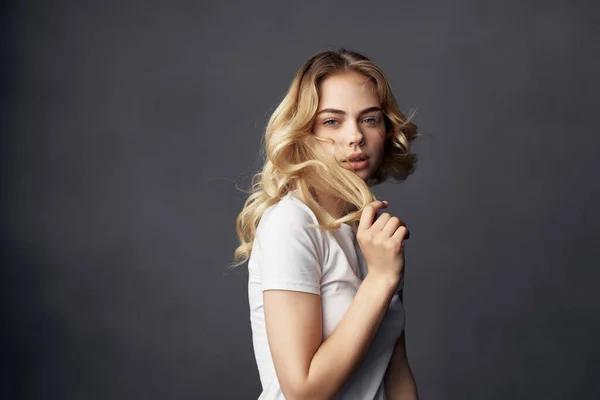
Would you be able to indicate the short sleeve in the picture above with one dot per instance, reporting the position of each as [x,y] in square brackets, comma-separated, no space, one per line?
[290,251]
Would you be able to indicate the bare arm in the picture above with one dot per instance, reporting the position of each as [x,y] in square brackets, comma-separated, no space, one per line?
[308,368]
[399,381]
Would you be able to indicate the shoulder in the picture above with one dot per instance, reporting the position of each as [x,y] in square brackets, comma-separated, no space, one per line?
[288,248]
[290,223]
[289,213]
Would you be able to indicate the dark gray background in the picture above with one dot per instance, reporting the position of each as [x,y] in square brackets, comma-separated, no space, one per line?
[126,127]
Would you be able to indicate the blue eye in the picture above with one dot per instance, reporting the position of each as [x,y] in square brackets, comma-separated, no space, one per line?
[330,122]
[370,121]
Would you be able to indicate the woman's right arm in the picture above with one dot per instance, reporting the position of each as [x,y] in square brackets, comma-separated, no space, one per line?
[308,368]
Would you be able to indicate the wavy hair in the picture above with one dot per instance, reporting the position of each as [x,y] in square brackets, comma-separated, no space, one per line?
[295,160]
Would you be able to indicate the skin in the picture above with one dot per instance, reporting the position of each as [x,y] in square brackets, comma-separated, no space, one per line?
[349,113]
[306,366]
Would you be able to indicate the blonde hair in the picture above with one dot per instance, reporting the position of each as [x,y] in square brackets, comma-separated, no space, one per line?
[294,160]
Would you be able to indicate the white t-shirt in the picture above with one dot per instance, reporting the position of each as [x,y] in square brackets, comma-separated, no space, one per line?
[288,255]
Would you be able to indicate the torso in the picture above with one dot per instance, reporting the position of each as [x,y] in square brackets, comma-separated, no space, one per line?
[343,269]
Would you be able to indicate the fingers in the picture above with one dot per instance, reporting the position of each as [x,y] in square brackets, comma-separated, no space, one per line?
[368,214]
[401,234]
[389,226]
[392,224]
[380,222]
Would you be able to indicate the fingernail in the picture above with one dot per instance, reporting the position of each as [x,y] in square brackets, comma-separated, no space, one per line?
[385,202]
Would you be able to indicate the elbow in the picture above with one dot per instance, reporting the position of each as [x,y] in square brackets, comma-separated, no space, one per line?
[301,391]
[294,392]
[300,396]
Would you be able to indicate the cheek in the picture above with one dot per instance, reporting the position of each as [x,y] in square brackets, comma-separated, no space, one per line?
[378,145]
[327,141]
[382,150]
[328,146]
[378,154]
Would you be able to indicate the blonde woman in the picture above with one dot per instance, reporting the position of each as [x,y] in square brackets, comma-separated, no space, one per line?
[325,271]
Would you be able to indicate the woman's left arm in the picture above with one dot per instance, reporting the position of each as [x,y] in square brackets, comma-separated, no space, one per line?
[399,381]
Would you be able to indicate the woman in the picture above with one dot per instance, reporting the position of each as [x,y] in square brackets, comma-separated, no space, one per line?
[325,273]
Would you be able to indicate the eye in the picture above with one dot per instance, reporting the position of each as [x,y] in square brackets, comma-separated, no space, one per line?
[371,121]
[330,122]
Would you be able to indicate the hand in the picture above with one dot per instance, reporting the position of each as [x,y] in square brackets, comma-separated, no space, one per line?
[381,241]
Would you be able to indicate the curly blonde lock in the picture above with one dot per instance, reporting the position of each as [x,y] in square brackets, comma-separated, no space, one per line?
[295,160]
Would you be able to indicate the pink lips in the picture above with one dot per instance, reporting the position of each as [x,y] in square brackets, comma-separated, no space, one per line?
[357,160]
[356,157]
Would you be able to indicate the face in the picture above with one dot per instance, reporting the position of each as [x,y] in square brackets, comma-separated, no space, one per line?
[350,114]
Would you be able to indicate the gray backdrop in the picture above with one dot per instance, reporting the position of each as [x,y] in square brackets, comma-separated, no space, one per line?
[126,127]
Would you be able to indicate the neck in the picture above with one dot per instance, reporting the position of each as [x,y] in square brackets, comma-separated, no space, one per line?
[335,206]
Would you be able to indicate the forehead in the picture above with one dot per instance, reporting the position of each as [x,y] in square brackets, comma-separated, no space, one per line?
[347,91]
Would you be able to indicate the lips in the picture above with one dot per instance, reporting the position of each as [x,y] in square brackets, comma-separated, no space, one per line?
[356,157]
[357,161]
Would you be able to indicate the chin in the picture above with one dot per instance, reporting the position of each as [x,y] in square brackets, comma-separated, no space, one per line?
[364,175]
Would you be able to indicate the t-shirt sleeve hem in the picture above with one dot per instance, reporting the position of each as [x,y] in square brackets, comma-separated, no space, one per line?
[290,285]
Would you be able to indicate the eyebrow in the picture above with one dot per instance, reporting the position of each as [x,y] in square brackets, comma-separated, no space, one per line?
[341,112]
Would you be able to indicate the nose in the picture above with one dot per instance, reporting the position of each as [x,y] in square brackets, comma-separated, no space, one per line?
[355,136]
